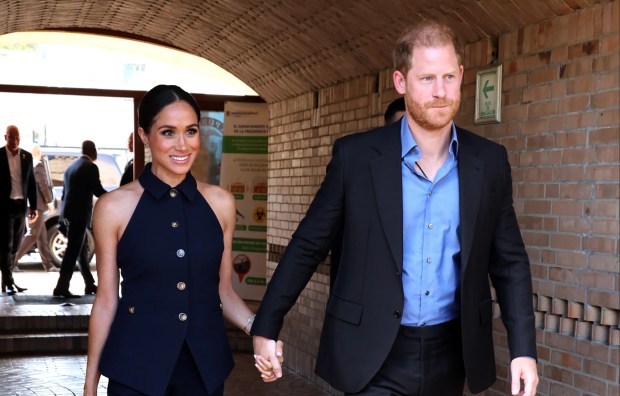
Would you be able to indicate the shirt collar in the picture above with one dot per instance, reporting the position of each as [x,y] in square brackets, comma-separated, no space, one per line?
[409,144]
[10,154]
[157,188]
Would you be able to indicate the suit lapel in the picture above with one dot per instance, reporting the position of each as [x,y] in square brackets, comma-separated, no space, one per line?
[24,163]
[471,173]
[387,181]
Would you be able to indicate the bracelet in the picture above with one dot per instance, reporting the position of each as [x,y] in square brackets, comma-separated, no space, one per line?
[249,323]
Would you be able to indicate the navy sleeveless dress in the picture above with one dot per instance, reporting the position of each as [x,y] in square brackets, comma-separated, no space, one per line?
[169,257]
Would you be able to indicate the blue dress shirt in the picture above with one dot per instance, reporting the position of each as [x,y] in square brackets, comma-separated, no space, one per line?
[431,247]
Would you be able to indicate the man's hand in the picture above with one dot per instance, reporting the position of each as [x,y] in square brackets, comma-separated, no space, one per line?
[32,216]
[524,368]
[268,355]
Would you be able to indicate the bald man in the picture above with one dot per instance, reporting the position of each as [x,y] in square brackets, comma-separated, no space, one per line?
[17,185]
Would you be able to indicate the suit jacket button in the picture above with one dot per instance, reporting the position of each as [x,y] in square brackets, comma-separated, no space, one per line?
[180,253]
[181,286]
[132,309]
[397,314]
[182,317]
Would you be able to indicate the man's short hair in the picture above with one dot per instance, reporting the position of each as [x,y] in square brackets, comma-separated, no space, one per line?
[88,147]
[396,106]
[425,34]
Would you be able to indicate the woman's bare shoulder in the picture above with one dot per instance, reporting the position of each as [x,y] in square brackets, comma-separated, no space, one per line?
[120,202]
[217,193]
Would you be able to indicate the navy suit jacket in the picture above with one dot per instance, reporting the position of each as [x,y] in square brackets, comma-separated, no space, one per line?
[29,188]
[360,205]
[81,182]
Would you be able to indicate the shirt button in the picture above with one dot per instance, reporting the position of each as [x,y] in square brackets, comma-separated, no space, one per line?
[430,226]
[173,193]
[182,317]
[181,286]
[174,224]
[430,193]
[429,260]
[397,314]
[180,253]
[132,309]
[423,324]
[427,293]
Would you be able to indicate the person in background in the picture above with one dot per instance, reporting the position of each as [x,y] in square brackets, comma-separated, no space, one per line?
[170,239]
[37,232]
[395,110]
[128,172]
[427,219]
[17,185]
[81,181]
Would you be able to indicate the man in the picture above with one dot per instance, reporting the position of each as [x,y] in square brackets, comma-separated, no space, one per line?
[427,218]
[81,181]
[45,201]
[128,172]
[395,110]
[16,185]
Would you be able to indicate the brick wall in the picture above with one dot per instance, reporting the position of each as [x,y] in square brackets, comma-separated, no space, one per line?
[560,124]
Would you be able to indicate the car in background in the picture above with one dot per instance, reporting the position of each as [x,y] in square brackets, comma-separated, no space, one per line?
[59,158]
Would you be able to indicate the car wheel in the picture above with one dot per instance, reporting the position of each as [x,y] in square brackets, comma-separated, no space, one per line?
[58,244]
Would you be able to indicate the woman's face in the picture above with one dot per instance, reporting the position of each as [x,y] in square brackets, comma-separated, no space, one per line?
[174,141]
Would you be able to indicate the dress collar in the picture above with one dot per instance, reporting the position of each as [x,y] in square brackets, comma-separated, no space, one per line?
[157,188]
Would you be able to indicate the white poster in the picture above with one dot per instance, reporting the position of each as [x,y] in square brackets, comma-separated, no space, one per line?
[244,173]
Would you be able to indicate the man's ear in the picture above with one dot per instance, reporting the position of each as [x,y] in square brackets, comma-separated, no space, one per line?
[399,82]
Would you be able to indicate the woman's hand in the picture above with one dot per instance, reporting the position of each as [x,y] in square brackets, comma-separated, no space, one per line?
[270,367]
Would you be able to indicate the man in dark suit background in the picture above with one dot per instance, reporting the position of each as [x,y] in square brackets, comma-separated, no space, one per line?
[81,182]
[128,171]
[16,185]
[426,219]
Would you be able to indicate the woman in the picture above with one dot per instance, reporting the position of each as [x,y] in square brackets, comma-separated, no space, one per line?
[170,238]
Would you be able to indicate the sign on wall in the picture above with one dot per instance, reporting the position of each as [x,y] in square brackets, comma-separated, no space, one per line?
[244,174]
[489,96]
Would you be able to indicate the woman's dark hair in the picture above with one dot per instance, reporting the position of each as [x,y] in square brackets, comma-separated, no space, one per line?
[158,98]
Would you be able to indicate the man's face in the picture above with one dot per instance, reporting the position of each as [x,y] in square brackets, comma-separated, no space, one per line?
[12,140]
[432,86]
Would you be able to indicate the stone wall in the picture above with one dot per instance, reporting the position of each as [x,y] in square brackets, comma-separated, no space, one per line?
[560,121]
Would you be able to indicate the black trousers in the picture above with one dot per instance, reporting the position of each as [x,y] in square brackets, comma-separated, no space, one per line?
[185,380]
[424,361]
[77,250]
[12,226]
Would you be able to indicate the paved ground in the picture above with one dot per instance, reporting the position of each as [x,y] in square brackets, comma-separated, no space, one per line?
[64,375]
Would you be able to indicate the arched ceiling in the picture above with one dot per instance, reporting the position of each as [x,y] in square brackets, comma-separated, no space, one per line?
[282,48]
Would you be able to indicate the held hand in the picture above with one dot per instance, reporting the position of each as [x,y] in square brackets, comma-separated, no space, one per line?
[524,368]
[32,216]
[268,356]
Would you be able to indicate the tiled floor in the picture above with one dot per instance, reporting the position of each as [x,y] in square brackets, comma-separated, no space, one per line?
[64,375]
